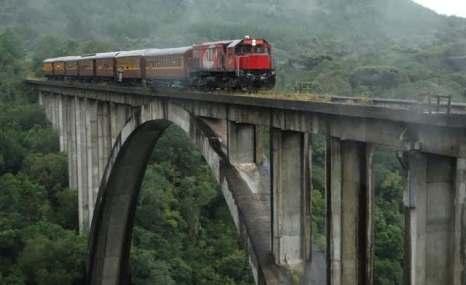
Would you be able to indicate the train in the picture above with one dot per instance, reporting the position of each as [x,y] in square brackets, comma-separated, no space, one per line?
[241,64]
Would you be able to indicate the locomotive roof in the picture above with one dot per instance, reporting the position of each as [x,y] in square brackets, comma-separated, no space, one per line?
[234,43]
[237,42]
[167,51]
[230,43]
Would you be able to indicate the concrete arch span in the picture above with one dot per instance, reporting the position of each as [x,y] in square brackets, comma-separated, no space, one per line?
[110,235]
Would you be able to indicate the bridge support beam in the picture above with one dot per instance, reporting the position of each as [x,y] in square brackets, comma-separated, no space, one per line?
[434,203]
[350,200]
[291,187]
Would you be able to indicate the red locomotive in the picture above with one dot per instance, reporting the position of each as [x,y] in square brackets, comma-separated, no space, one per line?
[234,64]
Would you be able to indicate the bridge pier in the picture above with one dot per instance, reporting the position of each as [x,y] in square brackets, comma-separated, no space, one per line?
[92,154]
[72,148]
[290,167]
[81,154]
[350,201]
[434,203]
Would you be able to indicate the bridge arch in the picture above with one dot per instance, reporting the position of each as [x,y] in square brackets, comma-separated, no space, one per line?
[111,229]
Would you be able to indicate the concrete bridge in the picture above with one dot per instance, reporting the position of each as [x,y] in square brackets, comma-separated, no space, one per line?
[109,133]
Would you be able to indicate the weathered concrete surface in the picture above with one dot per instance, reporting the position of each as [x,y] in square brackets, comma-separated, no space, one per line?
[291,199]
[241,143]
[432,230]
[350,202]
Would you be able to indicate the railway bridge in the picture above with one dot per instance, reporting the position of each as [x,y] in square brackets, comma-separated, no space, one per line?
[260,153]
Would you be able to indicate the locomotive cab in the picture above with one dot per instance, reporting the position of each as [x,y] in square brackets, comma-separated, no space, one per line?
[251,60]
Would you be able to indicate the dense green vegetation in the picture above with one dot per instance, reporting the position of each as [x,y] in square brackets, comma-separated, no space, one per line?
[183,232]
[38,240]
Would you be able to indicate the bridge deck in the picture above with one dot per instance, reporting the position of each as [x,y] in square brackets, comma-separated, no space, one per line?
[409,111]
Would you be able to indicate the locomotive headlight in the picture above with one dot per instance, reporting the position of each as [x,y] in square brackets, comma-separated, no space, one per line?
[254,43]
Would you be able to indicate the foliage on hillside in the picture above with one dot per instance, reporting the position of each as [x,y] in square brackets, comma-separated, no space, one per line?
[321,42]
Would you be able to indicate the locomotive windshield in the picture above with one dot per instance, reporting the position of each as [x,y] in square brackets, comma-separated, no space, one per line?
[247,49]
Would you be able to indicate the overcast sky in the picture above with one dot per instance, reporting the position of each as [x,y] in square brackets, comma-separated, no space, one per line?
[446,7]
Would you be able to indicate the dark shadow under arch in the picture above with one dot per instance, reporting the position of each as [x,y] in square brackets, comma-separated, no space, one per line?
[110,236]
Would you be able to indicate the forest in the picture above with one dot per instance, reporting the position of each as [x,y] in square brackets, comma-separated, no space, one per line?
[183,232]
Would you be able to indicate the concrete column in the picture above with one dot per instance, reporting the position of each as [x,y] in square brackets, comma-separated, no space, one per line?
[46,106]
[123,115]
[65,124]
[61,123]
[262,159]
[82,173]
[262,144]
[100,139]
[114,128]
[350,201]
[53,110]
[432,219]
[41,98]
[457,249]
[72,145]
[92,155]
[241,143]
[107,133]
[291,186]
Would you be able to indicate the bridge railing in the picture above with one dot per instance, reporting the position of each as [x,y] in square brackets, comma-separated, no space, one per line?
[431,104]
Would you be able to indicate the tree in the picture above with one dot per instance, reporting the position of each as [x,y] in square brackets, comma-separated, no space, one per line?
[49,170]
[52,255]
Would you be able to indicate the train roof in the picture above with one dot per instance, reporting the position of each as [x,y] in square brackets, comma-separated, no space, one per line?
[63,58]
[167,51]
[101,55]
[214,43]
[129,53]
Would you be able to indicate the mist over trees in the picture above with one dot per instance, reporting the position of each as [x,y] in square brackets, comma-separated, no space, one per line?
[183,232]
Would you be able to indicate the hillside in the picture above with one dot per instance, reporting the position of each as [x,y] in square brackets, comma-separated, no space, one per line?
[341,47]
